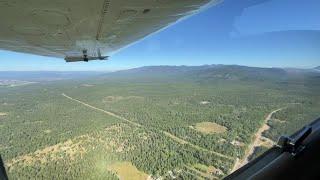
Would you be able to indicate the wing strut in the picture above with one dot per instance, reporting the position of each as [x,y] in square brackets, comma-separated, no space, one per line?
[85,57]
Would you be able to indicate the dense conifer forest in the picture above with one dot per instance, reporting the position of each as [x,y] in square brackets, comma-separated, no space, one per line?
[146,121]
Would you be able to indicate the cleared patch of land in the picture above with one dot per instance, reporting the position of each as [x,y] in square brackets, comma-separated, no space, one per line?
[266,142]
[3,114]
[210,128]
[237,143]
[110,99]
[47,131]
[87,85]
[125,170]
[204,102]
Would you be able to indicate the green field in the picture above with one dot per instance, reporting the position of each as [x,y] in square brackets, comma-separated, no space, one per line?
[89,128]
[209,128]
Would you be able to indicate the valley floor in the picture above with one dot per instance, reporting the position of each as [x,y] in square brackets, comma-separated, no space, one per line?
[145,129]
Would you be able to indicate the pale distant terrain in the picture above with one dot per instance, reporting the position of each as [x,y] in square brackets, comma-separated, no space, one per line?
[14,83]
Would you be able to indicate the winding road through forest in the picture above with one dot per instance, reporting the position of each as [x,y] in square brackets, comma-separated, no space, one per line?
[258,138]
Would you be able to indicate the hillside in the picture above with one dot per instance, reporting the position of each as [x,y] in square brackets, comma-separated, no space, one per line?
[209,73]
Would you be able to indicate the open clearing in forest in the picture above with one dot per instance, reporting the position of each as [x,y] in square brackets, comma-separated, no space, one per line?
[210,128]
[204,102]
[125,170]
[87,85]
[110,99]
[47,131]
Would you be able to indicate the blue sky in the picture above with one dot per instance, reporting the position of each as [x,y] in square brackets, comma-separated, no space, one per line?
[264,33]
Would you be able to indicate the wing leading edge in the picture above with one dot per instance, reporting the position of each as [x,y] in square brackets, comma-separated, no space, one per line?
[66,29]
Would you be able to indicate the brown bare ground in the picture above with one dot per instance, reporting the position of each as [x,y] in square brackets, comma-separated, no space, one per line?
[257,141]
[3,114]
[210,128]
[125,170]
[204,102]
[237,143]
[214,170]
[109,99]
[87,85]
[47,131]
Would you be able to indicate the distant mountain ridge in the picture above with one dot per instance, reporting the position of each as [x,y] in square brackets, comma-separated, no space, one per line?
[196,73]
[229,72]
[207,73]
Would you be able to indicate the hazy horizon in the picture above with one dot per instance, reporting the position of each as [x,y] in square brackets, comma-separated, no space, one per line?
[160,65]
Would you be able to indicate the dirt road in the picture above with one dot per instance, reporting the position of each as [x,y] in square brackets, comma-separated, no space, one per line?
[258,140]
[173,137]
[98,109]
[181,141]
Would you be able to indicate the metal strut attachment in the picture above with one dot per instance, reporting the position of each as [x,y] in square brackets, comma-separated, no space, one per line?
[293,145]
[85,57]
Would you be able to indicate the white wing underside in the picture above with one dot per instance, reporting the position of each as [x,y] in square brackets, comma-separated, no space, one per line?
[64,28]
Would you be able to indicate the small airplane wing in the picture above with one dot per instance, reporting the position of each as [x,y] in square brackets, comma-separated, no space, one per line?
[67,29]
